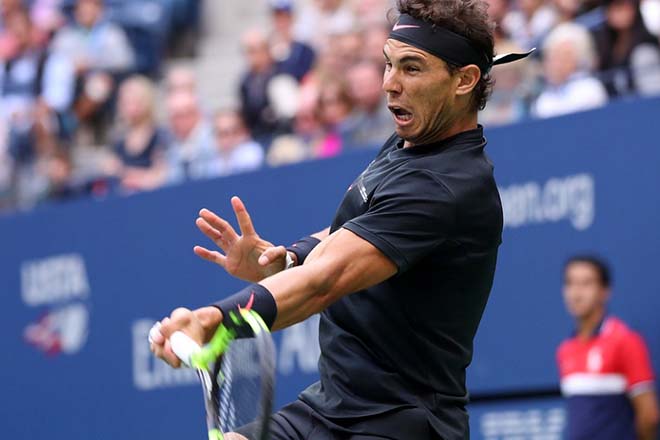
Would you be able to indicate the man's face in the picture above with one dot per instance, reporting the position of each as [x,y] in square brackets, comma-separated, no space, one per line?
[366,86]
[88,12]
[584,292]
[421,94]
[560,62]
[229,131]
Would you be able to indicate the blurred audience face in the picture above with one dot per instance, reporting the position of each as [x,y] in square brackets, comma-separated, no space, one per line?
[181,79]
[348,47]
[330,61]
[568,9]
[257,51]
[366,86]
[136,101]
[19,27]
[374,40]
[371,12]
[621,14]
[282,22]
[497,10]
[183,113]
[328,5]
[230,131]
[88,12]
[529,7]
[334,103]
[583,292]
[560,62]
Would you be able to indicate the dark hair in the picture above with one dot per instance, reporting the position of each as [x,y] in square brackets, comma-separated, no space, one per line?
[601,267]
[468,18]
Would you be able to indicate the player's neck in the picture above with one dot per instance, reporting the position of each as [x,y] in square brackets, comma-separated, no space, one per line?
[586,326]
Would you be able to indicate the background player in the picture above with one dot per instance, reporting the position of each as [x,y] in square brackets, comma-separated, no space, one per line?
[606,373]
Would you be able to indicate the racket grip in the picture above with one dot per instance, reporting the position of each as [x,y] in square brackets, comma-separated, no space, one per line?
[184,347]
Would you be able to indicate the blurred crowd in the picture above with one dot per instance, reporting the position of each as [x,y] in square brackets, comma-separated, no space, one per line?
[88,109]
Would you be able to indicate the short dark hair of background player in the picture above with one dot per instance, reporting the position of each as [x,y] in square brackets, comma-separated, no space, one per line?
[601,267]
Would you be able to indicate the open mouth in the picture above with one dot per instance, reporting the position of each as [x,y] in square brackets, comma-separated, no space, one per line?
[401,115]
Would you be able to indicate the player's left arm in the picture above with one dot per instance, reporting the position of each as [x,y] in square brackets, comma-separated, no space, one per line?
[647,415]
[641,386]
[341,264]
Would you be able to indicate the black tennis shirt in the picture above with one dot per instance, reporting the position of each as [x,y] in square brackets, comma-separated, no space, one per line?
[435,211]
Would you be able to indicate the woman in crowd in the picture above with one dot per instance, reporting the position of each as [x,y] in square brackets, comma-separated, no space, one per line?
[138,161]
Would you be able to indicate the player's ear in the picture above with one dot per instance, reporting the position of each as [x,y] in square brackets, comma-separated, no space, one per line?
[467,78]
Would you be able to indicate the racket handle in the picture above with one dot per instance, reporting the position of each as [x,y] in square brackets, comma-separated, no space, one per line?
[184,347]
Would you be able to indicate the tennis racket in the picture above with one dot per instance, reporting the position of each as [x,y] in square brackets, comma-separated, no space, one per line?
[237,373]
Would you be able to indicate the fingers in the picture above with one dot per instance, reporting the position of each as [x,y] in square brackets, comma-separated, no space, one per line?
[220,226]
[160,346]
[212,256]
[179,319]
[244,221]
[212,233]
[272,254]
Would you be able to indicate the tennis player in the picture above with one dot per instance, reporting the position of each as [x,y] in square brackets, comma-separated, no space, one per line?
[402,275]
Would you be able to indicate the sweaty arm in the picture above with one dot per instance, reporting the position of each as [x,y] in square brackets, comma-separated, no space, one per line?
[647,415]
[341,264]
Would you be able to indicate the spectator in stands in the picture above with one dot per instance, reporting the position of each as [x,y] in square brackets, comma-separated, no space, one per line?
[258,110]
[36,91]
[528,24]
[497,12]
[61,184]
[371,120]
[293,57]
[138,161]
[192,145]
[335,107]
[307,131]
[181,78]
[349,47]
[606,373]
[374,38]
[101,54]
[321,19]
[237,151]
[568,62]
[369,13]
[629,54]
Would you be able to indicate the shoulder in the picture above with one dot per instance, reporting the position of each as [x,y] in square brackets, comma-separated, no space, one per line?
[617,331]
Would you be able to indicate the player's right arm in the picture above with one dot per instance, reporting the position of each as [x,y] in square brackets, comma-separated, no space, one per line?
[246,256]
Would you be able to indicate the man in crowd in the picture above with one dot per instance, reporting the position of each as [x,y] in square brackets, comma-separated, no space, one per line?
[606,373]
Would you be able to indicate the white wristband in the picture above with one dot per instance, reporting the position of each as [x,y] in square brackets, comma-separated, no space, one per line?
[289,261]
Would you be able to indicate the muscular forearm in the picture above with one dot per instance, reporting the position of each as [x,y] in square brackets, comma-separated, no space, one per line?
[340,265]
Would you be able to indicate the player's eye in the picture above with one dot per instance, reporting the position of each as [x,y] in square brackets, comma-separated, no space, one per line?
[388,65]
[412,69]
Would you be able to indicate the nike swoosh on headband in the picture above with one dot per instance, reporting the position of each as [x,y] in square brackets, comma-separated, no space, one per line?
[403,26]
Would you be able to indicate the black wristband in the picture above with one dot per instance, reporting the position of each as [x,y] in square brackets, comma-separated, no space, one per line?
[303,247]
[254,297]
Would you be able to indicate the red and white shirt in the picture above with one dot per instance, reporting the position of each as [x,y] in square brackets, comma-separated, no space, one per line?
[598,376]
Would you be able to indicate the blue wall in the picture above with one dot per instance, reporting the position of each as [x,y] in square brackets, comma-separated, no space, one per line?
[81,284]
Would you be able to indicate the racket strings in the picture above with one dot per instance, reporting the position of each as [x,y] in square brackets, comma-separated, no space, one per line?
[240,389]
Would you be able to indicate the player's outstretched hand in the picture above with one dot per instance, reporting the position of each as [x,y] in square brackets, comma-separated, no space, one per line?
[246,256]
[200,325]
